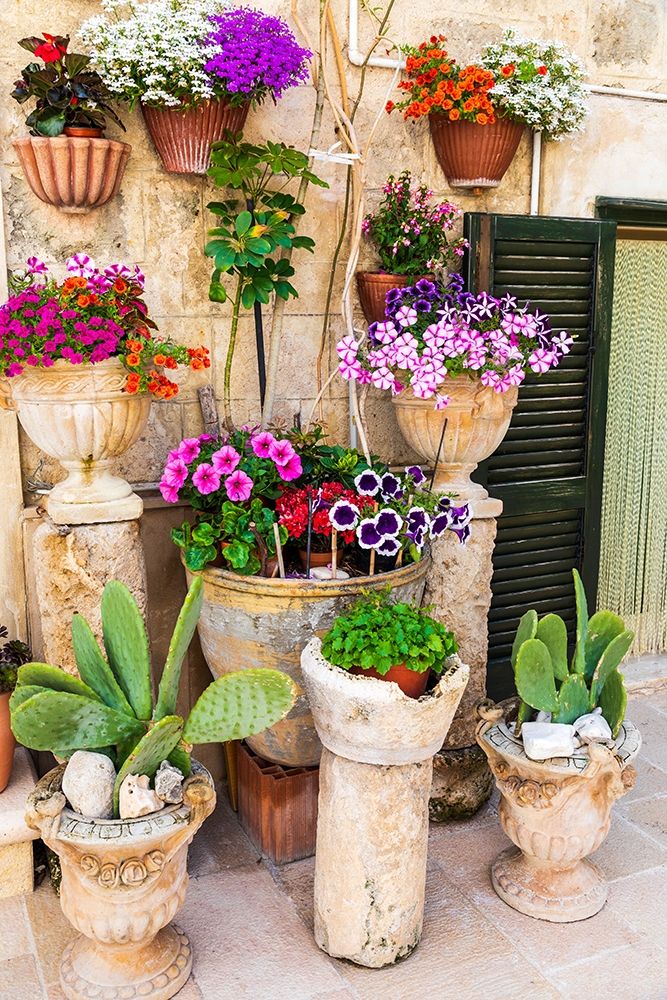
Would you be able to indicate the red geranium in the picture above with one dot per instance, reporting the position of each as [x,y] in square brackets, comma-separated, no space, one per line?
[292,510]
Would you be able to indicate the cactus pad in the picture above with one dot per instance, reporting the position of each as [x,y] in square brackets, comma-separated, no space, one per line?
[93,667]
[602,628]
[126,643]
[553,632]
[609,661]
[55,679]
[21,694]
[60,719]
[154,747]
[239,705]
[579,659]
[523,715]
[178,647]
[181,759]
[526,629]
[614,701]
[572,699]
[535,677]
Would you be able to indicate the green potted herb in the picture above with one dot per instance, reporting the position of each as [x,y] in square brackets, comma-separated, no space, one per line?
[12,654]
[390,642]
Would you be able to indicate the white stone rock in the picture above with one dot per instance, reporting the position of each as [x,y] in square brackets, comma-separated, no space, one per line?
[542,740]
[169,783]
[137,798]
[88,784]
[324,573]
[592,728]
[543,717]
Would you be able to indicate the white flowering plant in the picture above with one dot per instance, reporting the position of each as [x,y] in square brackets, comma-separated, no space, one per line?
[539,83]
[152,52]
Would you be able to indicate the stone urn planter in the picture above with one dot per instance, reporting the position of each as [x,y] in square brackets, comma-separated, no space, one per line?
[472,155]
[183,137]
[122,883]
[80,415]
[254,621]
[72,173]
[475,421]
[372,826]
[556,812]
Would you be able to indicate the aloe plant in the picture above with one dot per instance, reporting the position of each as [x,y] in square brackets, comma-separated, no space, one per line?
[547,681]
[110,706]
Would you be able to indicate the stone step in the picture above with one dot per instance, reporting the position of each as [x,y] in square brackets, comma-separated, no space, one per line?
[16,867]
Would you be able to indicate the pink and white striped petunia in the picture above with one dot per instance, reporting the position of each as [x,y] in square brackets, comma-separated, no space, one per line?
[81,264]
[382,378]
[347,348]
[541,361]
[406,316]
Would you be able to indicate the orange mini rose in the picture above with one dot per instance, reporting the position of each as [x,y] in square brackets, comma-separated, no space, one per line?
[159,359]
[171,363]
[133,360]
[508,70]
[135,345]
[119,285]
[454,115]
[83,301]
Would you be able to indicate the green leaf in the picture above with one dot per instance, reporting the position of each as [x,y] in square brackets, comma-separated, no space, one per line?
[94,669]
[553,632]
[236,553]
[217,292]
[238,705]
[248,297]
[579,659]
[178,647]
[50,126]
[243,223]
[197,556]
[126,644]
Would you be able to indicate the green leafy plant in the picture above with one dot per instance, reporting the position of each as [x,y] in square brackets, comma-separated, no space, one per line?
[379,634]
[255,229]
[12,654]
[548,680]
[110,706]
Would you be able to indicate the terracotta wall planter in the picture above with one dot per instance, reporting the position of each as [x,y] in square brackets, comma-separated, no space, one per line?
[254,621]
[556,812]
[475,421]
[473,155]
[373,287]
[74,174]
[183,138]
[7,741]
[80,415]
[123,881]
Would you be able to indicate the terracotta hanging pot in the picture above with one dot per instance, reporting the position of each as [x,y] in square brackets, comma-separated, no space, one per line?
[411,683]
[474,422]
[7,741]
[472,155]
[73,174]
[183,136]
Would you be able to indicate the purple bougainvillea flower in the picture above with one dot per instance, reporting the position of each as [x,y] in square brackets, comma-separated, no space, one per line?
[418,476]
[344,515]
[388,547]
[188,449]
[238,485]
[440,523]
[292,469]
[261,443]
[391,485]
[368,535]
[205,479]
[388,522]
[225,459]
[281,452]
[417,518]
[368,483]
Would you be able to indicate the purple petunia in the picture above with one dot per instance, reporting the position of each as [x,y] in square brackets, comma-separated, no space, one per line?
[368,483]
[416,473]
[388,522]
[344,515]
[368,535]
[389,546]
[391,485]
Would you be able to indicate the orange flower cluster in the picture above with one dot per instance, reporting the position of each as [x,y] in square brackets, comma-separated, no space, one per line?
[163,355]
[436,84]
[199,358]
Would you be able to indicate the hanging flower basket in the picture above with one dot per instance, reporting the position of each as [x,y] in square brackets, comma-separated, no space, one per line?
[73,174]
[183,136]
[473,155]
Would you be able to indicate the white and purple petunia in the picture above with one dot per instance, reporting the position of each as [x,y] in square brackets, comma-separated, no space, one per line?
[368,483]
[389,546]
[344,516]
[391,486]
[416,474]
[417,518]
[368,535]
[440,523]
[388,522]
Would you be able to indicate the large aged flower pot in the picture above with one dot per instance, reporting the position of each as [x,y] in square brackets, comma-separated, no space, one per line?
[472,155]
[122,883]
[74,174]
[183,137]
[372,824]
[253,621]
[557,812]
[7,741]
[80,415]
[475,421]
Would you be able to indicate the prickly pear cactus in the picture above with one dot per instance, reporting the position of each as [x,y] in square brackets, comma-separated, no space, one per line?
[535,676]
[55,719]
[94,669]
[154,747]
[572,699]
[239,705]
[186,623]
[126,643]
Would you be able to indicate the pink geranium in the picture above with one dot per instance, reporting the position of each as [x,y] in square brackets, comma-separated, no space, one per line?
[206,479]
[225,459]
[281,452]
[292,468]
[239,486]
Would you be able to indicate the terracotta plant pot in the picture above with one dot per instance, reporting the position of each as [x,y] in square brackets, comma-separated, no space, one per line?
[317,558]
[183,138]
[73,174]
[7,741]
[373,286]
[123,881]
[472,155]
[475,421]
[557,812]
[411,683]
[80,415]
[251,621]
[81,132]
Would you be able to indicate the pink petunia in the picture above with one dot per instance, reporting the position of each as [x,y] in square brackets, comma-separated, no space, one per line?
[188,449]
[239,486]
[225,459]
[81,264]
[206,479]
[261,443]
[175,473]
[292,469]
[169,493]
[350,370]
[281,452]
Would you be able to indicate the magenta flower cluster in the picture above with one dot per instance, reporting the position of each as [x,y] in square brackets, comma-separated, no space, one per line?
[258,55]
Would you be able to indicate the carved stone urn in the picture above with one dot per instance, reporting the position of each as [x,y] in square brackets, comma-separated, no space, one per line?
[122,883]
[80,415]
[459,437]
[557,812]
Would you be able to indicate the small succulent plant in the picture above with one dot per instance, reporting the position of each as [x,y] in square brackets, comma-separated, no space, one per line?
[110,706]
[548,681]
[12,654]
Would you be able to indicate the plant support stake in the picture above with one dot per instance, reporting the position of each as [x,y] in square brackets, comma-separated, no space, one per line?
[259,330]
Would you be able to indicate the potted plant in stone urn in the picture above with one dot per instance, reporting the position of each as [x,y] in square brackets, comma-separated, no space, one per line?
[12,654]
[123,809]
[563,762]
[80,367]
[453,362]
[195,67]
[409,234]
[65,159]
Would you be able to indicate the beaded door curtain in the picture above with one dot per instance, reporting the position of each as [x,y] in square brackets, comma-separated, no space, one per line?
[633,561]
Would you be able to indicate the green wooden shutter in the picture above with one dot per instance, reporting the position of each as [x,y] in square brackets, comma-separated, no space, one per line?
[548,470]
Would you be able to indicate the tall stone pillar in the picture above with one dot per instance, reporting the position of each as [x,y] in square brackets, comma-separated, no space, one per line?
[459,587]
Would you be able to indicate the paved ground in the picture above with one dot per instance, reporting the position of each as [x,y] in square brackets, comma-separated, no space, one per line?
[251,924]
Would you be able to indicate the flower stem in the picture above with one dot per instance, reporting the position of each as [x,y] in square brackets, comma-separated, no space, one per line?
[227,392]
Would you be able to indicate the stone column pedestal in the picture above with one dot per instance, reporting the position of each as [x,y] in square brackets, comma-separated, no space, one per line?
[372,827]
[71,568]
[459,588]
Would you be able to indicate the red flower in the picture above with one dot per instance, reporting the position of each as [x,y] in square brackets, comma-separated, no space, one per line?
[508,70]
[50,51]
[542,70]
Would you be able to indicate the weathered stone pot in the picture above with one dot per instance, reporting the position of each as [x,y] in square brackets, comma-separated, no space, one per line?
[183,136]
[472,155]
[254,621]
[80,415]
[372,824]
[73,174]
[475,421]
[557,812]
[122,883]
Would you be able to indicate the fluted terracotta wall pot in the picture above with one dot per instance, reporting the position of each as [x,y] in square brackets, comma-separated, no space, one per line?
[123,881]
[80,415]
[373,287]
[473,155]
[183,137]
[74,174]
[556,812]
[475,421]
[7,741]
[254,621]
